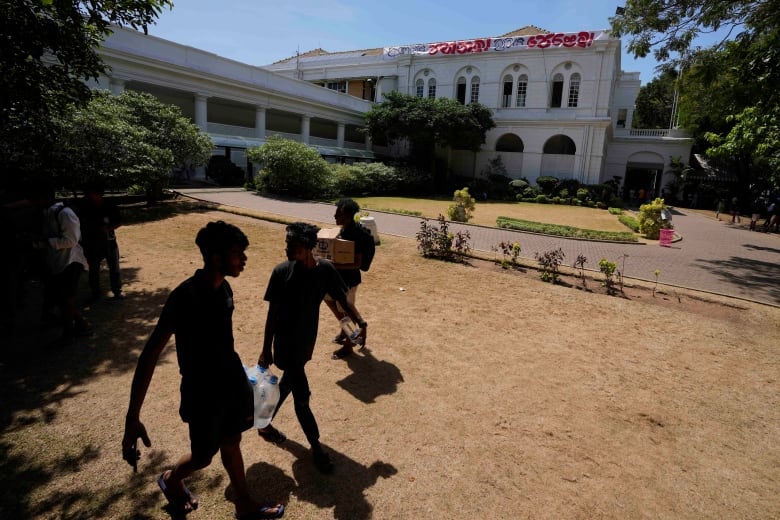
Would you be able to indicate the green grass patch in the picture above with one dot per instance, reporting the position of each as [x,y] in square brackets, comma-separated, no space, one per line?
[398,211]
[564,231]
[630,222]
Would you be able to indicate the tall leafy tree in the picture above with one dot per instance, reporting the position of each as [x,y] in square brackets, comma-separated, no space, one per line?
[130,139]
[729,95]
[49,50]
[426,123]
[655,101]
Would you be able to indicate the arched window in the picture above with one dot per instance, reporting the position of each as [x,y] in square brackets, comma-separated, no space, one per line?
[432,88]
[574,90]
[557,91]
[560,145]
[461,92]
[509,87]
[420,84]
[509,143]
[474,90]
[522,90]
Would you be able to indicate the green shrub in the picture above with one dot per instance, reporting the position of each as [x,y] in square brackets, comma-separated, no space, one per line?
[615,211]
[438,242]
[564,193]
[650,221]
[582,194]
[608,269]
[291,167]
[555,200]
[542,199]
[530,192]
[462,208]
[347,179]
[550,262]
[381,178]
[547,184]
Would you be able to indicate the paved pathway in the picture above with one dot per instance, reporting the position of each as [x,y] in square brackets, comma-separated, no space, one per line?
[712,256]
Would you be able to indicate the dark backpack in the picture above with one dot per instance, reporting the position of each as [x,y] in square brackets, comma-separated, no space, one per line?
[368,248]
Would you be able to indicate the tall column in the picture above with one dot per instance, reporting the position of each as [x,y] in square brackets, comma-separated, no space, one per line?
[368,142]
[340,135]
[260,122]
[116,86]
[201,119]
[201,112]
[305,128]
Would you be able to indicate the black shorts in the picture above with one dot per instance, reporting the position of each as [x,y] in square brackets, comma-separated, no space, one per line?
[207,433]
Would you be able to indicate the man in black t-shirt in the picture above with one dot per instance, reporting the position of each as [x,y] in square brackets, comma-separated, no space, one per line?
[294,294]
[99,219]
[216,399]
[346,209]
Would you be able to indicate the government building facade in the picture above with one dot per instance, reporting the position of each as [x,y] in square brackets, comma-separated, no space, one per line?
[561,103]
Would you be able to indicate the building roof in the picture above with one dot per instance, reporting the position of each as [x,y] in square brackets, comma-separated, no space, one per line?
[528,30]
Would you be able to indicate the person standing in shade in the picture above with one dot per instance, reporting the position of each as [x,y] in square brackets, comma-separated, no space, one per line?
[346,209]
[99,219]
[294,294]
[734,210]
[216,399]
[64,262]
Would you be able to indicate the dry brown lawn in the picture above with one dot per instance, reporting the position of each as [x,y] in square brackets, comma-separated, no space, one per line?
[483,393]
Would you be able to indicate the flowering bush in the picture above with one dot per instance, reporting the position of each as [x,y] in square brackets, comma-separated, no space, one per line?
[651,220]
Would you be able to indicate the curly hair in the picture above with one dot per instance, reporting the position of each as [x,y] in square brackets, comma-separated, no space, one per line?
[303,234]
[218,237]
[348,206]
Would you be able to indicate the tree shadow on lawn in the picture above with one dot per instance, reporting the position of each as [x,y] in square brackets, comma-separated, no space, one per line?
[37,379]
[754,275]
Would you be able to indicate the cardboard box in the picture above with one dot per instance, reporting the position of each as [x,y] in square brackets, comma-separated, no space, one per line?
[334,249]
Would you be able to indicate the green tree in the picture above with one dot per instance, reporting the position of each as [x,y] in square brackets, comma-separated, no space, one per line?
[124,140]
[49,50]
[729,96]
[655,100]
[425,123]
[290,167]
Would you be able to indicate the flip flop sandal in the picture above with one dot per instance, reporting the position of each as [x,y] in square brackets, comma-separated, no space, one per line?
[265,511]
[178,503]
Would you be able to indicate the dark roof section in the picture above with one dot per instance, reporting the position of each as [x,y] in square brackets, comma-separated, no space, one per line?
[528,30]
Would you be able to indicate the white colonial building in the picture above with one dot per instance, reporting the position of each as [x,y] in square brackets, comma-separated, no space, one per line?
[561,103]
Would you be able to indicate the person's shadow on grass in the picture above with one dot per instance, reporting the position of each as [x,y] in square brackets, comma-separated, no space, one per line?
[343,490]
[370,376]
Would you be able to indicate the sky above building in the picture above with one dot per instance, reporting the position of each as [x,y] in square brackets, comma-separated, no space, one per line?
[260,32]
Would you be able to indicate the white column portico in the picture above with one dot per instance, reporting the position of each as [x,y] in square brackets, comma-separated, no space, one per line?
[201,111]
[260,122]
[305,128]
[340,135]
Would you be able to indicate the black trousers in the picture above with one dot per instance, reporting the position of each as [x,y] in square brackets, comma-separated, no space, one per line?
[295,382]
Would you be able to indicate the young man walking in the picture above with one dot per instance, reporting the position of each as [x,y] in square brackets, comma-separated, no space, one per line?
[216,399]
[295,291]
[346,209]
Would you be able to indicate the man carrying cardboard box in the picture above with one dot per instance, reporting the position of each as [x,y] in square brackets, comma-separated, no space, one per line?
[364,248]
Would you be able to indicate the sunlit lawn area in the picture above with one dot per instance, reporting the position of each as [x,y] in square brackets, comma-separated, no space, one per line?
[487,211]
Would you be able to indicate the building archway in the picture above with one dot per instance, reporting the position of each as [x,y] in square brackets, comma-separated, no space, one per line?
[644,172]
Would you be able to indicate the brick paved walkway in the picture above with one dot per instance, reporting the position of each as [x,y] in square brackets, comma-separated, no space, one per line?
[712,256]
